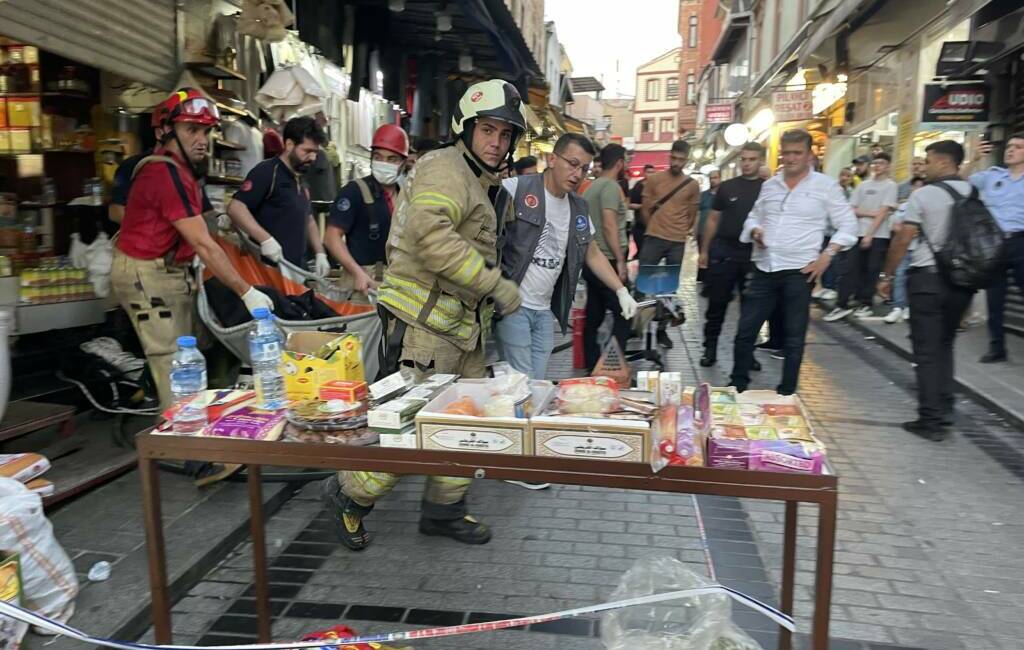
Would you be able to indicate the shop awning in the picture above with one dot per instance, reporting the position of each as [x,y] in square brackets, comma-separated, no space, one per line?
[829,18]
[532,120]
[572,125]
[733,30]
[642,158]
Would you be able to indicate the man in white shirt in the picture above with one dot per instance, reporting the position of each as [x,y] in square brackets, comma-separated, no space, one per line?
[544,250]
[787,225]
[873,202]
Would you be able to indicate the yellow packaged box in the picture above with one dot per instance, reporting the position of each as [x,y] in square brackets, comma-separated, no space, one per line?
[438,430]
[311,359]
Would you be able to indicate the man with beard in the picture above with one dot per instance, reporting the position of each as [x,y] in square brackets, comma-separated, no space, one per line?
[272,206]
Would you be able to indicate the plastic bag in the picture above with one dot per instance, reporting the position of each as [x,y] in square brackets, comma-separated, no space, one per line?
[588,396]
[48,577]
[700,623]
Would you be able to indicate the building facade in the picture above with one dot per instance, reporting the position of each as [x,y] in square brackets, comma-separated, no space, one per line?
[656,111]
[699,26]
[529,17]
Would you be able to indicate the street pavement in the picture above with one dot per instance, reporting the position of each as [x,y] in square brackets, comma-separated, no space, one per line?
[926,552]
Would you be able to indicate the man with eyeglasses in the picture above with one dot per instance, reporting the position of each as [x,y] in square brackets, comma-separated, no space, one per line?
[669,210]
[1002,190]
[547,246]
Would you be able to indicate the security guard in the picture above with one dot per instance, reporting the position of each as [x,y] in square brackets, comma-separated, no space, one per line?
[273,207]
[440,290]
[360,219]
[163,229]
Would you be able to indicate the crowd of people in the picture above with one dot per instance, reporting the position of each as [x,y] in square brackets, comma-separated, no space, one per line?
[470,243]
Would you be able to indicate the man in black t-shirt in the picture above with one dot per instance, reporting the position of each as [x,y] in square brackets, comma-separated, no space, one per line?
[726,259]
[636,200]
[272,206]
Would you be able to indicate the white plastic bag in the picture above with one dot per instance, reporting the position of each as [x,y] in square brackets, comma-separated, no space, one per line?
[49,585]
[699,623]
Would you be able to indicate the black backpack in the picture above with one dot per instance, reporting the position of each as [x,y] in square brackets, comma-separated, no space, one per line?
[973,252]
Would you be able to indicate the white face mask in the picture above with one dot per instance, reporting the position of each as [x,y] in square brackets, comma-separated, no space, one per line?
[385,173]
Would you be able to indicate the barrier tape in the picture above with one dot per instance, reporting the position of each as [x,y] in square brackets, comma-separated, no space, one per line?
[56,627]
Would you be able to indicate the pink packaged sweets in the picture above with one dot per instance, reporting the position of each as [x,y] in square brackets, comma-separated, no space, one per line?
[247,422]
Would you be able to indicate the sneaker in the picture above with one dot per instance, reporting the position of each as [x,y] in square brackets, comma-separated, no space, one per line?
[894,316]
[906,313]
[819,293]
[347,525]
[864,312]
[778,354]
[664,340]
[530,485]
[466,530]
[829,295]
[926,430]
[839,313]
[111,351]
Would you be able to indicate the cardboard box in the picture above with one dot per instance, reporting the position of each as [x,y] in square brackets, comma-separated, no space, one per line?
[496,435]
[304,372]
[557,436]
[404,439]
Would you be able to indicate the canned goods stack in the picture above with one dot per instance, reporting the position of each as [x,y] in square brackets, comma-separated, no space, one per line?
[54,280]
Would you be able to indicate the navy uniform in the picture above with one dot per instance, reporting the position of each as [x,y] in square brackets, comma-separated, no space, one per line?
[363,212]
[280,203]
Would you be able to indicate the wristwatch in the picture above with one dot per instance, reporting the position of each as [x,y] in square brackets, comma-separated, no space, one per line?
[884,277]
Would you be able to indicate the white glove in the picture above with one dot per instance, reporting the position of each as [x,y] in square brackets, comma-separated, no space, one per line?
[271,250]
[626,303]
[254,299]
[322,266]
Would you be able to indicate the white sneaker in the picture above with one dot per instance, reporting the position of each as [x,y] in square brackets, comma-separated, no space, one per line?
[110,350]
[818,293]
[829,294]
[864,312]
[894,316]
[906,313]
[837,314]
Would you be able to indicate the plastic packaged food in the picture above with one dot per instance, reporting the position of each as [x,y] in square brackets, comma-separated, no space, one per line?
[588,396]
[247,422]
[465,405]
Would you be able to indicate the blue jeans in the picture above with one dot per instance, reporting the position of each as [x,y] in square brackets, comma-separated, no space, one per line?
[899,283]
[525,339]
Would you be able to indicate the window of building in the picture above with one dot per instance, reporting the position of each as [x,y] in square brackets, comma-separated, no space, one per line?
[672,88]
[667,125]
[691,90]
[647,125]
[693,31]
[652,90]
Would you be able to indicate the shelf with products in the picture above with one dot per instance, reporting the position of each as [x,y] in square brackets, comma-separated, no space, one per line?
[227,144]
[224,180]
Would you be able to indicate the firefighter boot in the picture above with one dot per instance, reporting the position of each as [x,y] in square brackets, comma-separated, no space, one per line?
[348,515]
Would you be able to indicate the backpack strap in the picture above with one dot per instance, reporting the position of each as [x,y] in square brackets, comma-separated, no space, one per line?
[364,189]
[369,201]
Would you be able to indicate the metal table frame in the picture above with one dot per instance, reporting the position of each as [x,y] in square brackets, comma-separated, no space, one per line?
[790,488]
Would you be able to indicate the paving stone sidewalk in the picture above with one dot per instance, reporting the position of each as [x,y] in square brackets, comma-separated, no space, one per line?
[925,556]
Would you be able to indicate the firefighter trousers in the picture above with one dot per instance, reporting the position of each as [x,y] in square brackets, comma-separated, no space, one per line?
[425,354]
[159,298]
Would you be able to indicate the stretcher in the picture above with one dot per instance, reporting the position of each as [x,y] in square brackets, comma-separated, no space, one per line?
[291,280]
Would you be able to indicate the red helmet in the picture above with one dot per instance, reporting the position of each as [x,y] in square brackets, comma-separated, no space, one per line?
[393,138]
[187,105]
[273,145]
[159,115]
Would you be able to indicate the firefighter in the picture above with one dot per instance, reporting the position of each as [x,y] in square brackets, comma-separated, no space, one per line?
[440,290]
[163,229]
[360,220]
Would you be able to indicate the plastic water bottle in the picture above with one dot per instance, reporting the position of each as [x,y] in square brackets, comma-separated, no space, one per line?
[266,342]
[188,385]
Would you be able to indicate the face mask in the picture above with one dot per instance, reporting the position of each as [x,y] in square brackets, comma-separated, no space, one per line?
[385,173]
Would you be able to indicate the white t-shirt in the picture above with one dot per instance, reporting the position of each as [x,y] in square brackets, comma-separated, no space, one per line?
[871,195]
[538,284]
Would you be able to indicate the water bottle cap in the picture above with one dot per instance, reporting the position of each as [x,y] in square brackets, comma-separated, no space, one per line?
[261,313]
[186,341]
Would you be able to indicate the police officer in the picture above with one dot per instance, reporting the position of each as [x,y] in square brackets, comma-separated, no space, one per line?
[440,290]
[1002,190]
[163,229]
[360,219]
[273,207]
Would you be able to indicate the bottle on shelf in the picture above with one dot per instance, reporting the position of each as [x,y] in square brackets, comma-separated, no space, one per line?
[266,343]
[188,386]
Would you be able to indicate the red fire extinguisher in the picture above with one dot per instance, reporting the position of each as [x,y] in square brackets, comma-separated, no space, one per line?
[578,317]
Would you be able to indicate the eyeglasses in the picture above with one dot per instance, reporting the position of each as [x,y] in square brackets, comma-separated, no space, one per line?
[575,165]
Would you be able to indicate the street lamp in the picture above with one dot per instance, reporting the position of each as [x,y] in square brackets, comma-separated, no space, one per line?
[736,134]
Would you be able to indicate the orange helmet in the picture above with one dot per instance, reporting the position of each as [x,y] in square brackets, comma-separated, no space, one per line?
[392,138]
[187,105]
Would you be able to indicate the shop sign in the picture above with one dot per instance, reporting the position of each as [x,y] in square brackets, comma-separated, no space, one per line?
[956,103]
[719,113]
[793,105]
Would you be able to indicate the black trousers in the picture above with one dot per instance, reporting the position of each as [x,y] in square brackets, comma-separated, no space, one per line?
[599,300]
[764,292]
[996,294]
[858,272]
[726,275]
[936,308]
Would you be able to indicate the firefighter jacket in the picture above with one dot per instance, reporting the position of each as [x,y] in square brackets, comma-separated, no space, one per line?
[442,253]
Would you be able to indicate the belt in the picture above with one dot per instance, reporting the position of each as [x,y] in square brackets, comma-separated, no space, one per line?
[914,270]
